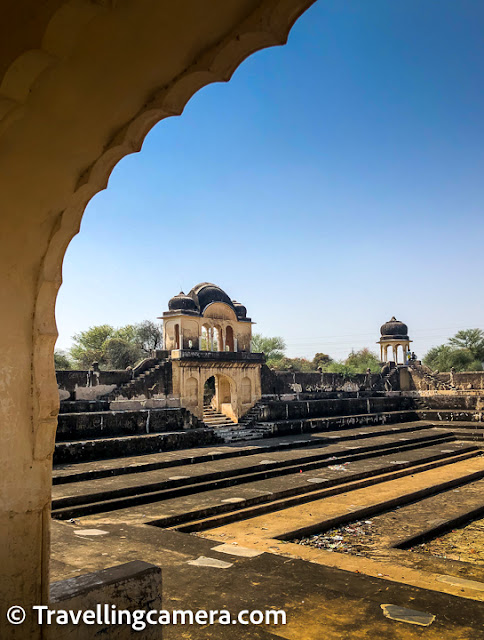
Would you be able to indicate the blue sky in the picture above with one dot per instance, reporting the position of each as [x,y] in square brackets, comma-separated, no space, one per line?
[331,184]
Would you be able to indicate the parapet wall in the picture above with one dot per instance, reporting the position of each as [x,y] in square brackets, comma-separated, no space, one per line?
[422,379]
[75,384]
[302,410]
[105,424]
[283,382]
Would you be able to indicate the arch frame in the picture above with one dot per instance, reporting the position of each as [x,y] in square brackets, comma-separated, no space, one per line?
[55,219]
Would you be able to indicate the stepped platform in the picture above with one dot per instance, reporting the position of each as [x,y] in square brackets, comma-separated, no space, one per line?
[75,451]
[211,513]
[77,471]
[147,486]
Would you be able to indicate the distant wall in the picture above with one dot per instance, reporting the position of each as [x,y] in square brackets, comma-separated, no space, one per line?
[282,382]
[421,379]
[74,385]
[307,409]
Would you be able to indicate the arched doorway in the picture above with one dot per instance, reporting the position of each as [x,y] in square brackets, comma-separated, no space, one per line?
[220,395]
[209,393]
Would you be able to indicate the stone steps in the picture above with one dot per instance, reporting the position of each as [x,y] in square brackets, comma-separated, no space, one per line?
[75,451]
[141,493]
[215,419]
[83,406]
[136,385]
[292,485]
[460,477]
[105,468]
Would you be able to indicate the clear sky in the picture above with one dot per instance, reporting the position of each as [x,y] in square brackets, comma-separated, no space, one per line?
[331,184]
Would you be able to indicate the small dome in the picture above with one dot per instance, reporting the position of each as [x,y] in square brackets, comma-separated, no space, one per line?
[394,329]
[182,302]
[240,310]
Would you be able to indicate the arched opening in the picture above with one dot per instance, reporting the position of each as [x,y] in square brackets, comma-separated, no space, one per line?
[217,338]
[89,179]
[205,344]
[209,393]
[177,336]
[229,339]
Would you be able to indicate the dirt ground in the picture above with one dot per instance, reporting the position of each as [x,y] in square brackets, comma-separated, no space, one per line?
[465,544]
[364,537]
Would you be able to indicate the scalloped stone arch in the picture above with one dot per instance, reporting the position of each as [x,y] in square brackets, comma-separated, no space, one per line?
[47,181]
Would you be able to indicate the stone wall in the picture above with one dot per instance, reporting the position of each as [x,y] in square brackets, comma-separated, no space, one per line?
[104,424]
[423,379]
[282,382]
[73,384]
[117,447]
[306,409]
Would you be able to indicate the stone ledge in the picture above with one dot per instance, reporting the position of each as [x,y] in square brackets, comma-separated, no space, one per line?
[135,585]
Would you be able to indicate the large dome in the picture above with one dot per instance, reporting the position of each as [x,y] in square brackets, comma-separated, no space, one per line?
[182,302]
[394,329]
[205,293]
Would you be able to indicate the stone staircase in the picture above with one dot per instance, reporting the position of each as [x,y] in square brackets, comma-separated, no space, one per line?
[144,383]
[216,419]
[389,381]
[251,417]
[248,427]
[431,379]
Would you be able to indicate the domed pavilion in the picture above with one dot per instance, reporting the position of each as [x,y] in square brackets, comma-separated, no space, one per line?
[208,336]
[394,336]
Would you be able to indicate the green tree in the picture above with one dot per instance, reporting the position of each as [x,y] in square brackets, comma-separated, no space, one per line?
[116,348]
[470,339]
[439,358]
[61,361]
[360,361]
[120,353]
[273,348]
[445,357]
[339,366]
[321,360]
[89,345]
[356,362]
[463,352]
[290,364]
[149,335]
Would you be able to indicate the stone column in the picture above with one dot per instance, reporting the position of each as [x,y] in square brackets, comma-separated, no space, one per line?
[28,416]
